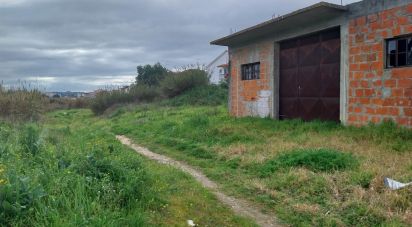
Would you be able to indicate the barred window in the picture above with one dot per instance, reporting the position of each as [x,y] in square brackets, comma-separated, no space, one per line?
[399,52]
[251,71]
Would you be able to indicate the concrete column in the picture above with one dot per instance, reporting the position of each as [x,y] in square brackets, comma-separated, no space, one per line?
[275,81]
[344,71]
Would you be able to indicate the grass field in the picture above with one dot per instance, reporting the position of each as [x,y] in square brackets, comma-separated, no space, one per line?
[71,171]
[317,173]
[68,169]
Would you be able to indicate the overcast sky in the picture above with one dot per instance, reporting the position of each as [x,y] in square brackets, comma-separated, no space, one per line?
[81,45]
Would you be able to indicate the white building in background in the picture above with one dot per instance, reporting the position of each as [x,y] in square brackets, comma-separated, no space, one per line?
[218,68]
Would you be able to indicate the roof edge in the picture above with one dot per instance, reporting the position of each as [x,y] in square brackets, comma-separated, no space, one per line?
[277,19]
[217,58]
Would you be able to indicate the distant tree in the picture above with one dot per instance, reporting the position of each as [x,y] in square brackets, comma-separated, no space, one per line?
[151,75]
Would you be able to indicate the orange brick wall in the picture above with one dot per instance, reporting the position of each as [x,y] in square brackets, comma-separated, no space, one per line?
[375,93]
[245,93]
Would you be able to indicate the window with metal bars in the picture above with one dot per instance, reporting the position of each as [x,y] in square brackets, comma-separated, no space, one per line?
[251,71]
[399,52]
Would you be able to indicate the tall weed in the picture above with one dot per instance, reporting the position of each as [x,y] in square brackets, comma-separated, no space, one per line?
[17,198]
[22,104]
[30,139]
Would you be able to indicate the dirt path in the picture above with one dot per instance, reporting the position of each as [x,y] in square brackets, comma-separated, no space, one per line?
[240,207]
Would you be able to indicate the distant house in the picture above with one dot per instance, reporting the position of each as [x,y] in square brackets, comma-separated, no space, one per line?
[218,68]
[125,88]
[350,63]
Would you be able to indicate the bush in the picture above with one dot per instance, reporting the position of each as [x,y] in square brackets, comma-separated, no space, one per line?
[320,160]
[210,95]
[172,85]
[144,93]
[176,83]
[106,99]
[29,104]
[137,93]
[67,103]
[22,104]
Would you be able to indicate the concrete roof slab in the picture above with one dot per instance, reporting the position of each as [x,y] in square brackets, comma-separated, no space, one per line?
[313,14]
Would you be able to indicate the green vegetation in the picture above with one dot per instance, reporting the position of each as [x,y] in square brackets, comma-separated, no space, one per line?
[71,171]
[27,103]
[149,75]
[152,83]
[322,160]
[106,99]
[22,103]
[358,214]
[314,173]
[211,95]
[175,84]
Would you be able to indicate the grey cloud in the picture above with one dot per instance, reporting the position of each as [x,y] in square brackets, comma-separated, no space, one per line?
[76,42]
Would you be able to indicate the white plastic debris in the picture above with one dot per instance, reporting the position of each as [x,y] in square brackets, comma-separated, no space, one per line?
[191,223]
[395,185]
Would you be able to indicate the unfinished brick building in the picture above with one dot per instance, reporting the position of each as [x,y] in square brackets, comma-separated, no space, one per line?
[350,63]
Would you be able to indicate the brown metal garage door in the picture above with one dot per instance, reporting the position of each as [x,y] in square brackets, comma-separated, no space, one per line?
[309,77]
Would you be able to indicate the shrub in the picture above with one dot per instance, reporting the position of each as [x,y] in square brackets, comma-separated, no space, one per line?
[321,160]
[106,99]
[25,103]
[137,93]
[210,95]
[193,81]
[22,104]
[67,103]
[176,83]
[144,93]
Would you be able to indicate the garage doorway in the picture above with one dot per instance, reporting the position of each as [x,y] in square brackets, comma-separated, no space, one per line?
[309,82]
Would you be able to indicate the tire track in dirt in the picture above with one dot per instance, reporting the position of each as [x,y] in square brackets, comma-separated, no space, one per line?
[239,206]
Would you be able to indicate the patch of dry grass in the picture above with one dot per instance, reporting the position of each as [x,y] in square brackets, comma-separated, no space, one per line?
[22,104]
[376,159]
[25,103]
